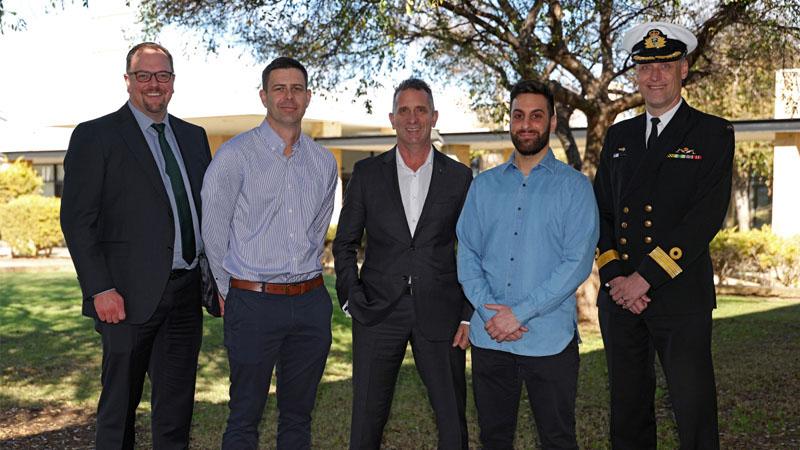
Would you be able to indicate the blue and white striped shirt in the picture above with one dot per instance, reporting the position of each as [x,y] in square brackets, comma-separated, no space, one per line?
[264,214]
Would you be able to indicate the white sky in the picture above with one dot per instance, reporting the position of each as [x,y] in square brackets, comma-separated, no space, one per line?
[66,67]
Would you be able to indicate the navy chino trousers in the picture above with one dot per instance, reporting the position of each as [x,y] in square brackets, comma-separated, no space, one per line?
[265,331]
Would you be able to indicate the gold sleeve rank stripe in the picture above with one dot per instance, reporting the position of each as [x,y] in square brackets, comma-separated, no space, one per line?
[607,257]
[662,259]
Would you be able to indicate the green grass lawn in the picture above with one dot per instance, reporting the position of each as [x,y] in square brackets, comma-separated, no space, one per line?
[50,356]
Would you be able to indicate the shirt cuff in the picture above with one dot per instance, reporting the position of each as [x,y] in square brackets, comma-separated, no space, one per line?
[103,292]
[464,322]
[346,309]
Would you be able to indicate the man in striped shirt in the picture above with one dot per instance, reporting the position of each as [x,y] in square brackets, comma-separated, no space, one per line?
[268,198]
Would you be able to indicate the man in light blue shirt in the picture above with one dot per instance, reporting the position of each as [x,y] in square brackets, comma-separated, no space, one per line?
[526,236]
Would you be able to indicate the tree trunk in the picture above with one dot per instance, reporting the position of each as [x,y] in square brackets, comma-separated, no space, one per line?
[564,133]
[587,299]
[587,293]
[596,127]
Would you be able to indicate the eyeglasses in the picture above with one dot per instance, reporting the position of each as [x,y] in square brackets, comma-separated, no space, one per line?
[143,76]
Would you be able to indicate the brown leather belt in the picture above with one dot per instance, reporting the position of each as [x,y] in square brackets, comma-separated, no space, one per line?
[290,289]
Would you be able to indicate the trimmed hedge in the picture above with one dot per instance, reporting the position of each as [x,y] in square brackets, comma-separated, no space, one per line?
[756,255]
[30,225]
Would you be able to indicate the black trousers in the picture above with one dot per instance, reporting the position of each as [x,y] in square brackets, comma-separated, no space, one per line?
[683,344]
[378,352]
[552,383]
[263,331]
[165,348]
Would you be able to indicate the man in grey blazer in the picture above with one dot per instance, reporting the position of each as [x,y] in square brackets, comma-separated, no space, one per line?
[408,201]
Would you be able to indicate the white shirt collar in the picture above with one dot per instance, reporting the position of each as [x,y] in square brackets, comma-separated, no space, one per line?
[401,164]
[665,118]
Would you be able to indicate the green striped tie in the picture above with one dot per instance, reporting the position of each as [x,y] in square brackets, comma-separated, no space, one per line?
[179,192]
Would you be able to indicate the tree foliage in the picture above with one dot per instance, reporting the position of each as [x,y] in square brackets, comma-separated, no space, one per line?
[16,179]
[487,45]
[740,87]
[11,20]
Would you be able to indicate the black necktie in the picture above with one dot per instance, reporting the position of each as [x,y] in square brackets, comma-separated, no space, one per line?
[651,140]
[179,192]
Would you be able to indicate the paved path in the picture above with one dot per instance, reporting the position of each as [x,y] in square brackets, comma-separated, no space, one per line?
[59,260]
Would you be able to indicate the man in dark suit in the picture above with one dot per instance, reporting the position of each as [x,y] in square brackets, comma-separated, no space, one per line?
[408,201]
[130,215]
[662,188]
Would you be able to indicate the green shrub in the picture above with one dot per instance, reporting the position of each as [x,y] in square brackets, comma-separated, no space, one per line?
[18,178]
[756,255]
[30,225]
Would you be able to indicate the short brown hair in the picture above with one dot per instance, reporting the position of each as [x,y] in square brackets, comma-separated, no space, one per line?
[282,62]
[150,45]
[416,84]
[534,87]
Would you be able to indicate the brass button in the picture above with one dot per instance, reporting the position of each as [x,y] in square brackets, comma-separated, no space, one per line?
[624,224]
[624,256]
[648,224]
[623,241]
[648,208]
[648,239]
[625,209]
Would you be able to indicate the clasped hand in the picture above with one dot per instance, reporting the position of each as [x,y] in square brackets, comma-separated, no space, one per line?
[630,292]
[504,326]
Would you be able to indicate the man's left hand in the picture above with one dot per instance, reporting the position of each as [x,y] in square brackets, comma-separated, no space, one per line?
[503,323]
[461,338]
[629,289]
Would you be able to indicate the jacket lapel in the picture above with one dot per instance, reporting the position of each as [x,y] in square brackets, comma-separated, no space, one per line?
[434,189]
[193,166]
[667,141]
[393,190]
[136,143]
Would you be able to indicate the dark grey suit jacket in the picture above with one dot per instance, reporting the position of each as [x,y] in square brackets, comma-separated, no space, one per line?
[115,212]
[373,204]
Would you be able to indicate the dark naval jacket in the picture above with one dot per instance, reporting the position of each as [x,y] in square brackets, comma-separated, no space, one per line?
[660,208]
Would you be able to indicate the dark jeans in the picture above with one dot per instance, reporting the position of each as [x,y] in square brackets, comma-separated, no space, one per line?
[265,330]
[552,383]
[165,348]
[683,344]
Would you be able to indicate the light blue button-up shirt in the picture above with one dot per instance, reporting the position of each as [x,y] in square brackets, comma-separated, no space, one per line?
[527,242]
[265,215]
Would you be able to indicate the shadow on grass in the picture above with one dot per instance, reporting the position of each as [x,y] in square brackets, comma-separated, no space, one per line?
[50,358]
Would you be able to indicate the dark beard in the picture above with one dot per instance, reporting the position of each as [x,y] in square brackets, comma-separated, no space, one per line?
[533,147]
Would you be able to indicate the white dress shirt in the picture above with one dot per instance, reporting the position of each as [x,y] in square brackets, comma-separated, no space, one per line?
[664,118]
[414,188]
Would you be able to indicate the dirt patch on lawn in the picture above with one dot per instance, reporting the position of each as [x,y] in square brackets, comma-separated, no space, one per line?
[51,427]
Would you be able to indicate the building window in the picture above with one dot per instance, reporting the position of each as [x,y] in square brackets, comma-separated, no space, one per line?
[53,177]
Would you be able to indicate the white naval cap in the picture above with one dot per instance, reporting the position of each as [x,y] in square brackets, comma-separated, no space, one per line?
[658,42]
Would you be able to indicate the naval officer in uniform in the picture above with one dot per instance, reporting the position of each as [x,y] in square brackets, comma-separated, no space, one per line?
[662,188]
